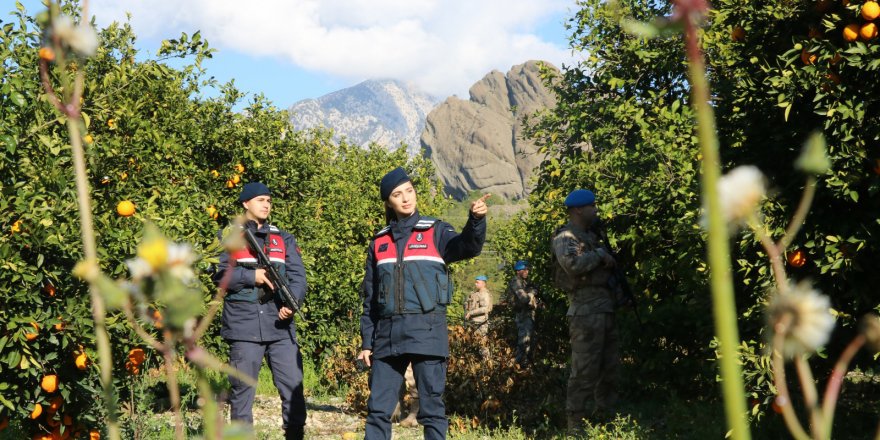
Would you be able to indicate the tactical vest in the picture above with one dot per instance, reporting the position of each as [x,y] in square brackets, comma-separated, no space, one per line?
[416,283]
[275,249]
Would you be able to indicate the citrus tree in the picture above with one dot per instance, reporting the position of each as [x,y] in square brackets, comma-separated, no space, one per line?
[158,151]
[624,128]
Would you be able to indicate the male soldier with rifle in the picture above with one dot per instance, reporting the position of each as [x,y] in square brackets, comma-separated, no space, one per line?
[585,270]
[258,311]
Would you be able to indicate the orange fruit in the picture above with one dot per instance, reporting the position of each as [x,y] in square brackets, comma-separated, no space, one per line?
[46,53]
[81,361]
[157,319]
[41,436]
[38,409]
[807,57]
[32,336]
[132,368]
[851,32]
[870,10]
[111,123]
[239,168]
[125,208]
[123,175]
[230,184]
[797,258]
[67,420]
[49,383]
[16,227]
[212,212]
[833,77]
[59,326]
[868,31]
[136,356]
[236,179]
[94,435]
[88,139]
[215,174]
[49,289]
[55,404]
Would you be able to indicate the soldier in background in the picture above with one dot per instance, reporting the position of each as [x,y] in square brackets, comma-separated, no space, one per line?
[584,269]
[524,298]
[478,306]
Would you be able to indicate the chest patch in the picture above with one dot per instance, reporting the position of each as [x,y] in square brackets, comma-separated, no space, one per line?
[383,247]
[418,246]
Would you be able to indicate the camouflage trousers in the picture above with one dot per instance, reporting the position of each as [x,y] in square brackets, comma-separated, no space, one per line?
[525,336]
[595,363]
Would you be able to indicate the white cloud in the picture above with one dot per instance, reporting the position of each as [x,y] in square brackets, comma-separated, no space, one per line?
[443,46]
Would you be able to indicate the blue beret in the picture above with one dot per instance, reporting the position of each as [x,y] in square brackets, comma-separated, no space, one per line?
[580,197]
[393,179]
[520,265]
[253,189]
[482,278]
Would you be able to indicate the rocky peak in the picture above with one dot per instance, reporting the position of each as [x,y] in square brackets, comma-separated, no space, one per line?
[477,144]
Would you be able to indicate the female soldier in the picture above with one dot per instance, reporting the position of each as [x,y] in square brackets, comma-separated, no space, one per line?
[406,291]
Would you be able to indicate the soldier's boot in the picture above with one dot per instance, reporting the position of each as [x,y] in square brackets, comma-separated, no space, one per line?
[295,433]
[410,420]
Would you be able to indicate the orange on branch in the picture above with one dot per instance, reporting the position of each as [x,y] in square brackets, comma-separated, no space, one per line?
[797,258]
[94,435]
[55,404]
[81,361]
[125,208]
[868,31]
[239,168]
[49,289]
[851,32]
[870,10]
[215,173]
[38,409]
[136,356]
[230,184]
[32,336]
[49,383]
[807,57]
[236,179]
[16,227]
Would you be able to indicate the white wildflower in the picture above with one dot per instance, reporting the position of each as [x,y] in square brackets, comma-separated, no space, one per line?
[803,316]
[81,38]
[180,261]
[139,268]
[740,191]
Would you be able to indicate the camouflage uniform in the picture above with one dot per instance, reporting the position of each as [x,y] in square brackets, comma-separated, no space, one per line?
[524,297]
[479,304]
[595,362]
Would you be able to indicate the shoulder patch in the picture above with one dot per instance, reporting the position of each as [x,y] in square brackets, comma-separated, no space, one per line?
[383,231]
[274,229]
[425,223]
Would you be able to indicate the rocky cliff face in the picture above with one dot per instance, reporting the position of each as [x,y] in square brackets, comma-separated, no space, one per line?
[477,144]
[386,112]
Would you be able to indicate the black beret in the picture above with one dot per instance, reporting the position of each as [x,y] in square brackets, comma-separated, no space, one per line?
[393,179]
[253,189]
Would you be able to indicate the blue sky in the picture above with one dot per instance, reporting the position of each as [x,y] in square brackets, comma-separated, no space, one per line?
[297,49]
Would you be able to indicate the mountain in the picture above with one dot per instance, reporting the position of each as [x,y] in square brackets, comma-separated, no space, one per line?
[477,144]
[386,112]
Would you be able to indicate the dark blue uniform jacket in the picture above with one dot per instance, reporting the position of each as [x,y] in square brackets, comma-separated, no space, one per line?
[415,333]
[252,321]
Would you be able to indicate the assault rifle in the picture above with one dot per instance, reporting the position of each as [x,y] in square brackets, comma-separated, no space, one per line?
[619,274]
[279,284]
